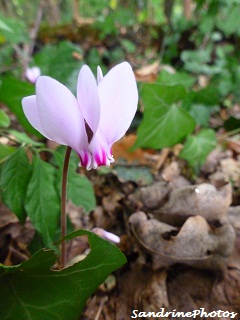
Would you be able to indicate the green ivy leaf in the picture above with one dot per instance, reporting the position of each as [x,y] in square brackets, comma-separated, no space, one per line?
[4,26]
[164,123]
[13,30]
[197,148]
[15,176]
[6,151]
[128,45]
[21,137]
[42,201]
[141,175]
[33,291]
[227,21]
[208,96]
[155,94]
[201,104]
[6,55]
[173,79]
[12,91]
[80,191]
[59,155]
[4,119]
[197,61]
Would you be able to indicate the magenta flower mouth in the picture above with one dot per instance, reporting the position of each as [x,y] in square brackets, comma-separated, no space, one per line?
[101,160]
[85,159]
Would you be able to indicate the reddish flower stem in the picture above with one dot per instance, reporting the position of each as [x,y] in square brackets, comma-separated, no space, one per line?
[63,205]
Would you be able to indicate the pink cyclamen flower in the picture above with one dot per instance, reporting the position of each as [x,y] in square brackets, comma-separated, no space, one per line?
[32,74]
[106,235]
[90,123]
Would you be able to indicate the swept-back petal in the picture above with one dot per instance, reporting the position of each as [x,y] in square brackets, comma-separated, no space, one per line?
[87,95]
[30,109]
[118,99]
[59,114]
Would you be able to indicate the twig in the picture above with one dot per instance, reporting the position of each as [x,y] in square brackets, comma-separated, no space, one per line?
[229,133]
[28,47]
[187,9]
[103,301]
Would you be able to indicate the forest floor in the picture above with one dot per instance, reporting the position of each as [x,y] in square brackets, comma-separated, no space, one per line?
[180,235]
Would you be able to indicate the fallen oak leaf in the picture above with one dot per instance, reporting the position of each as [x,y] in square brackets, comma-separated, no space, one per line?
[152,196]
[231,170]
[121,150]
[148,73]
[203,199]
[196,243]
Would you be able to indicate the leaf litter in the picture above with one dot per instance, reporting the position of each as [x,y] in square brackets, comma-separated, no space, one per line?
[181,237]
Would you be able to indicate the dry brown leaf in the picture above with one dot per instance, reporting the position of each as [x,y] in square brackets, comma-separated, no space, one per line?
[153,294]
[231,170]
[203,81]
[227,291]
[217,179]
[99,218]
[161,158]
[214,159]
[196,243]
[142,289]
[191,289]
[151,196]
[234,144]
[171,171]
[121,148]
[6,216]
[234,217]
[110,203]
[148,73]
[94,309]
[203,199]
[14,240]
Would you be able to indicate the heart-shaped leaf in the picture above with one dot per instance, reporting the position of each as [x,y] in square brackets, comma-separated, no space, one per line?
[165,123]
[15,176]
[42,202]
[33,291]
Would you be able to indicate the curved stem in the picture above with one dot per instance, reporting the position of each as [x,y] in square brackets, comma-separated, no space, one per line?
[63,205]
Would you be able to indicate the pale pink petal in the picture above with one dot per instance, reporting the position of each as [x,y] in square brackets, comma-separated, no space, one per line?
[118,99]
[99,74]
[32,74]
[87,95]
[106,235]
[30,109]
[60,115]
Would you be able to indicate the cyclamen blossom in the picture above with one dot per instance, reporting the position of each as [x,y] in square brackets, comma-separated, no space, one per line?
[91,122]
[32,74]
[106,235]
